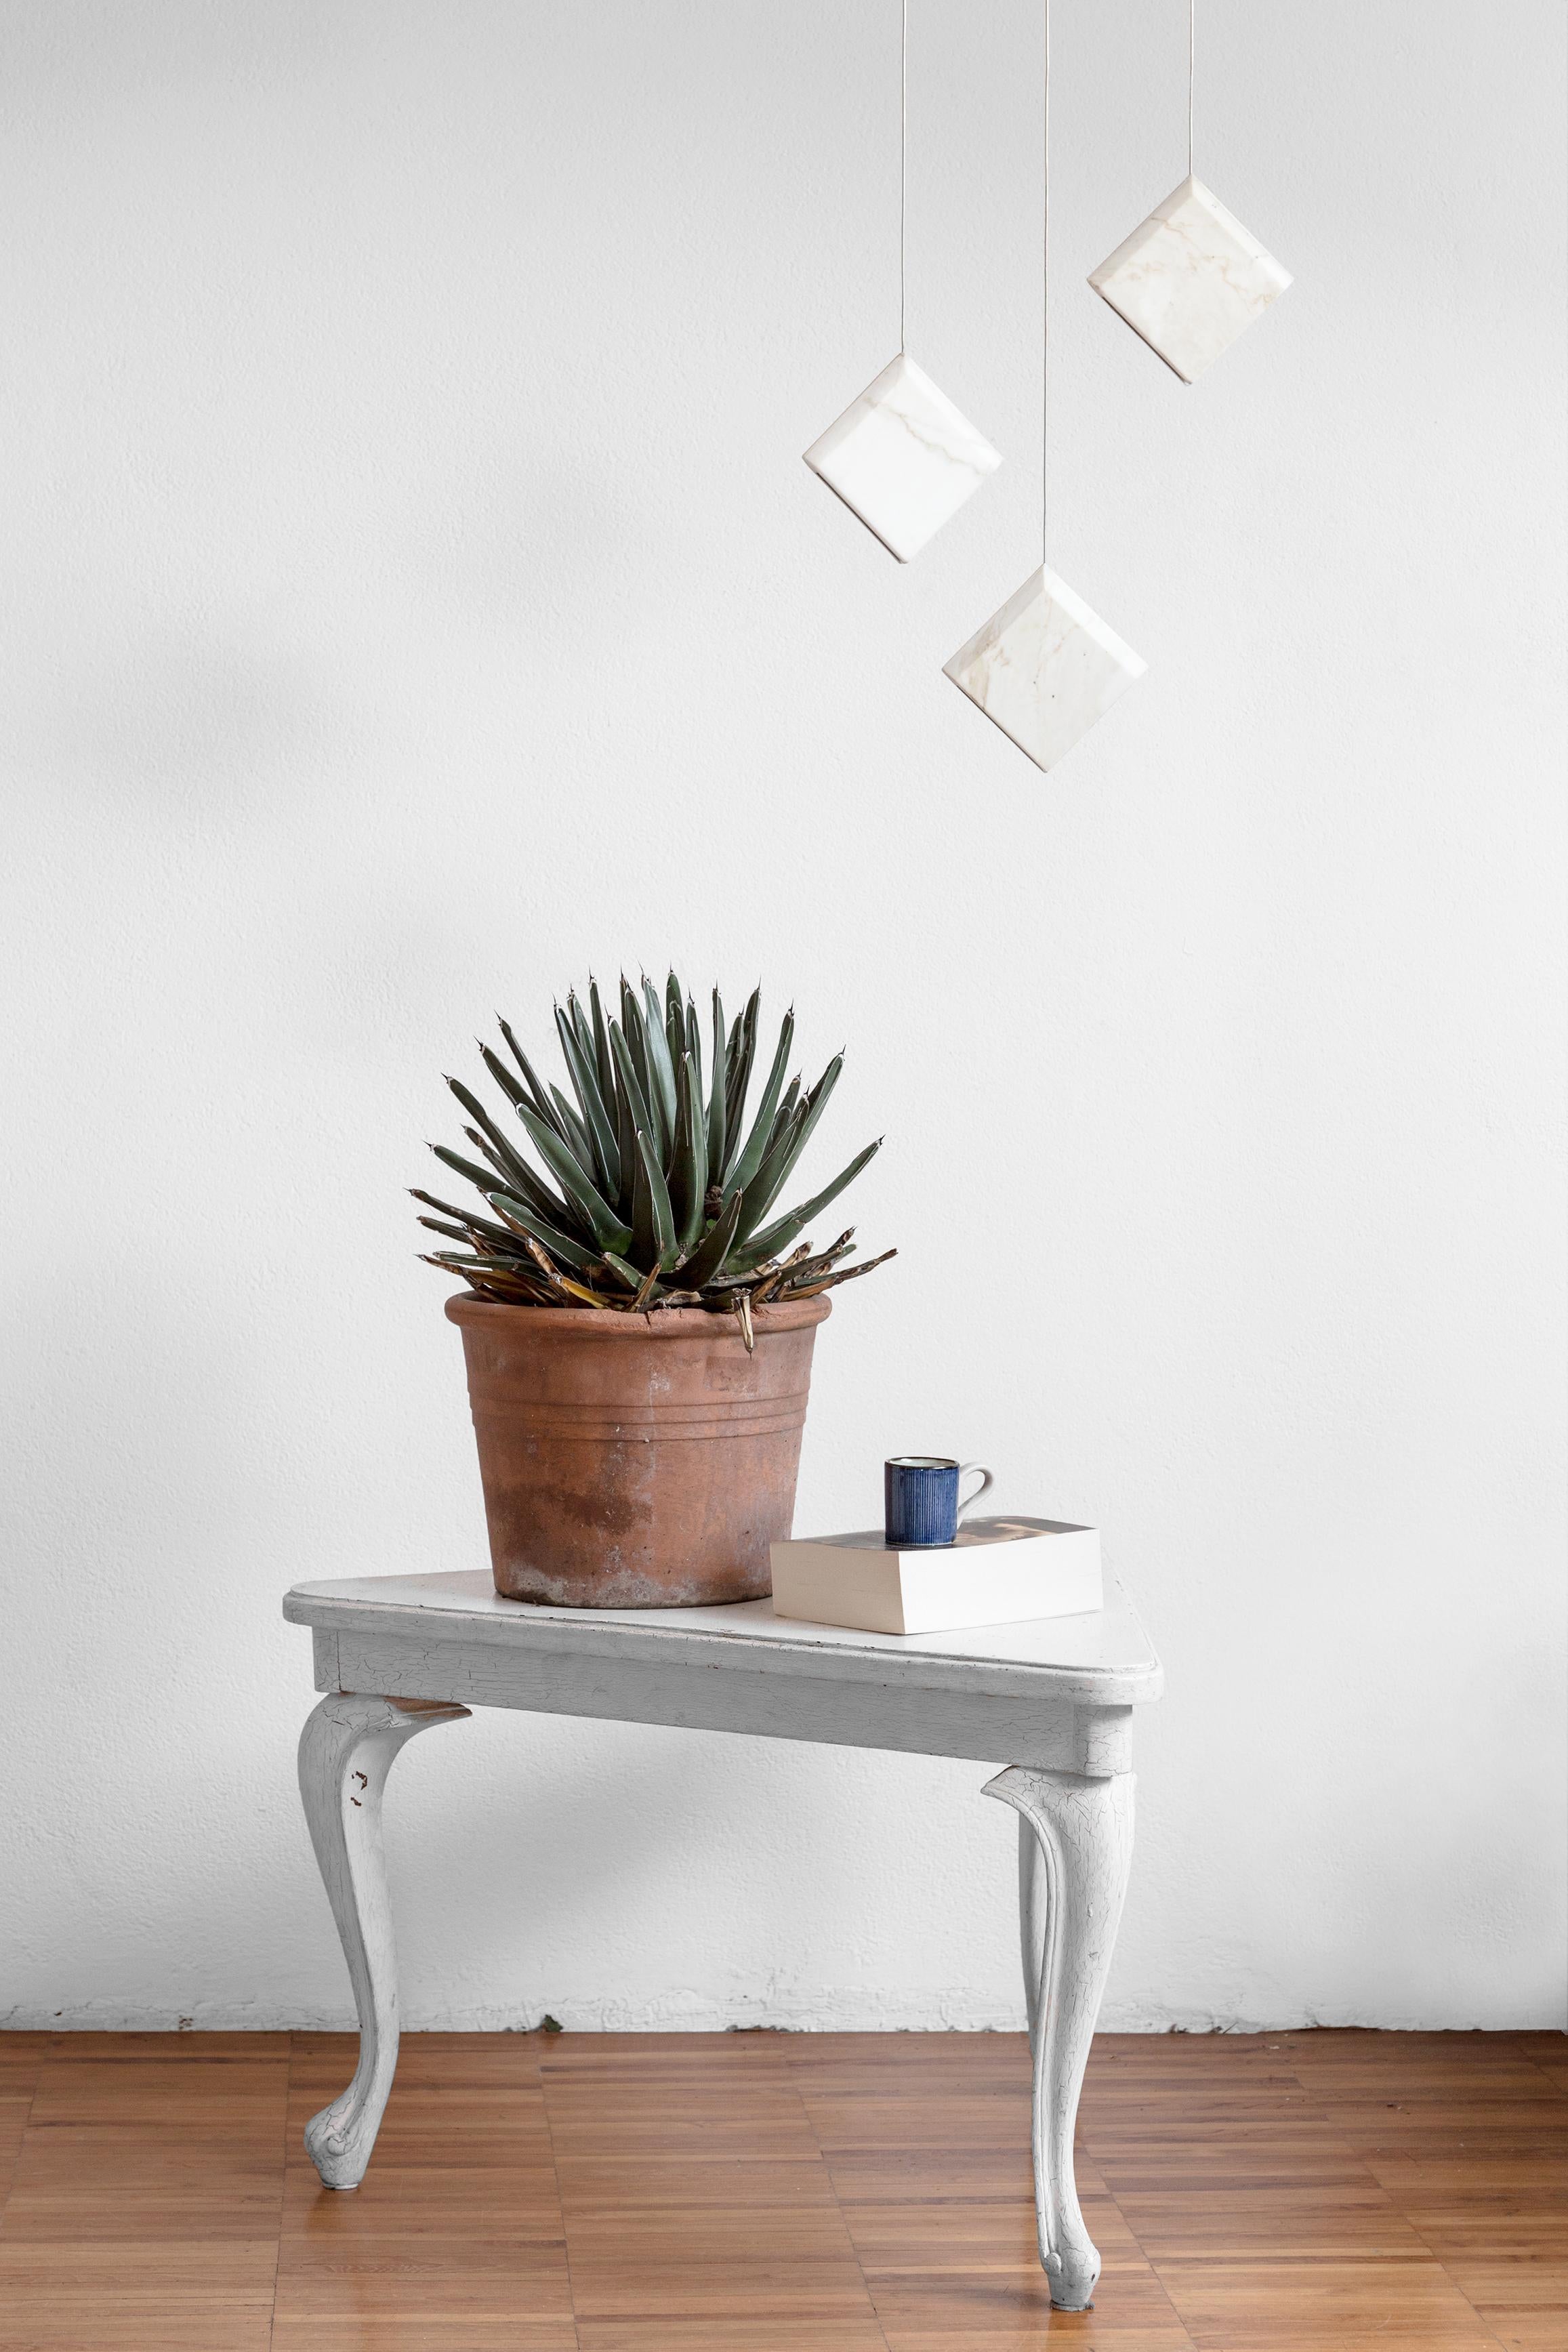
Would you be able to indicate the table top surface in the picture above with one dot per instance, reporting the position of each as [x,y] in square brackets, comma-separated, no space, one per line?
[1104,1655]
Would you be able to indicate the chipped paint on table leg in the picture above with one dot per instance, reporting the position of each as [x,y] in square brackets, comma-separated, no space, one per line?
[1075,1848]
[346,1750]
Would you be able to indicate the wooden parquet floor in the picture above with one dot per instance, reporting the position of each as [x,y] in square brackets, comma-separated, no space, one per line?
[759,2192]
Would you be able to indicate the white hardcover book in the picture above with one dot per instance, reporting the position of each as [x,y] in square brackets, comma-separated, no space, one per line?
[999,1571]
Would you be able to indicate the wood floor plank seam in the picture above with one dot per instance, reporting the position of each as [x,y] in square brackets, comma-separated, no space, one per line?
[283,2175]
[21,2143]
[1191,2341]
[1436,2254]
[1556,2076]
[837,2206]
[566,2234]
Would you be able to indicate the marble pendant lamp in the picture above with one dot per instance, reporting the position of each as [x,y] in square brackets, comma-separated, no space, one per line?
[1045,666]
[1190,278]
[901,457]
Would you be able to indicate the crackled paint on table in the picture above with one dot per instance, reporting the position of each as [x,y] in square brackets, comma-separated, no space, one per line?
[1051,1701]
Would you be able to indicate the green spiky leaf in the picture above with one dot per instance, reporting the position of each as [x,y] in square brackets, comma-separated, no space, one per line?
[469,1218]
[582,1063]
[537,1095]
[738,1069]
[602,1061]
[562,1245]
[606,1227]
[663,1213]
[708,1258]
[661,1069]
[717,1129]
[688,1157]
[626,1069]
[780,1235]
[750,1157]
[786,1150]
[651,1118]
[574,1135]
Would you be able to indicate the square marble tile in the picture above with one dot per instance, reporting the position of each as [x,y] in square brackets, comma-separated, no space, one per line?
[1045,667]
[902,458]
[1189,280]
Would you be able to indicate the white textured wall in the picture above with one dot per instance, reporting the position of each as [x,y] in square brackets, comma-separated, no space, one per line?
[414,598]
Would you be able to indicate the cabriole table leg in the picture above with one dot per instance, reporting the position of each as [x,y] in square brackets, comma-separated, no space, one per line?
[345,1754]
[1075,1848]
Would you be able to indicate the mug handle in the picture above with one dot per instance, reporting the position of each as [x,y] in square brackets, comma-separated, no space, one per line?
[986,1483]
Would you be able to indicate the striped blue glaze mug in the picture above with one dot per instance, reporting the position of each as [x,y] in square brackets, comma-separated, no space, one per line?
[920,1498]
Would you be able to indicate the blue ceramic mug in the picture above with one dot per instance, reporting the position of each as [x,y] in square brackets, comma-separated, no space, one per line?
[920,1497]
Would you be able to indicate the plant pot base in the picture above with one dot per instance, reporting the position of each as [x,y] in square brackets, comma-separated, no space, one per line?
[623,1592]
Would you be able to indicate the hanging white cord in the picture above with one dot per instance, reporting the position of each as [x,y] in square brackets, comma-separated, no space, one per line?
[1192,74]
[903,160]
[1045,289]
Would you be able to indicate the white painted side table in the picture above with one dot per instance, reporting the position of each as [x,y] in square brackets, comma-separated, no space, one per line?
[1052,1701]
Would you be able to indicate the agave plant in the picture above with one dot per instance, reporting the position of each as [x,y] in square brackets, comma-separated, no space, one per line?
[650,1189]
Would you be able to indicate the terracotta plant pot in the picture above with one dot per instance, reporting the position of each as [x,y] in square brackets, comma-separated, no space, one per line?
[635,1461]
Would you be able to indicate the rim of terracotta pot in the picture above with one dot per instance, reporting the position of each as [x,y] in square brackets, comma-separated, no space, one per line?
[662,1323]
